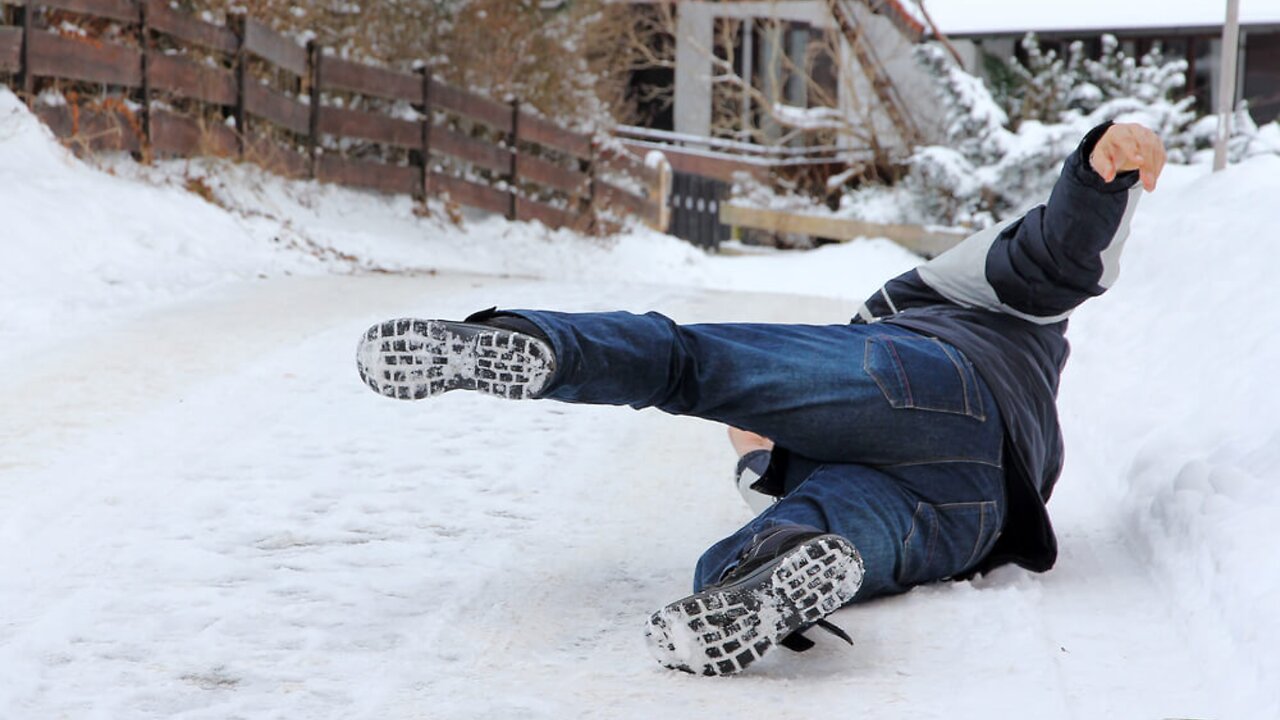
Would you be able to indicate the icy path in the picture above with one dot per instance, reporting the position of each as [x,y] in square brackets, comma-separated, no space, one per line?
[204,515]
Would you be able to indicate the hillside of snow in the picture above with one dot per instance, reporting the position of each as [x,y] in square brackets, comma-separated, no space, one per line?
[205,515]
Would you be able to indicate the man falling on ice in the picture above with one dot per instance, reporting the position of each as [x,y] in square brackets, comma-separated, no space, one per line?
[916,443]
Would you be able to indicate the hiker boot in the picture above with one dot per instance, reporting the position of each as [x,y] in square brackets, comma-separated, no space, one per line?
[408,359]
[790,578]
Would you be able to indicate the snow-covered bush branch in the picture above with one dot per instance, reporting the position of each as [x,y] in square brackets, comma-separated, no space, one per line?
[1002,149]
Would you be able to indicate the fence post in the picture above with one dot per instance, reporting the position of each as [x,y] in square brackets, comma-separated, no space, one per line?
[28,84]
[515,160]
[592,156]
[427,122]
[314,56]
[237,24]
[144,43]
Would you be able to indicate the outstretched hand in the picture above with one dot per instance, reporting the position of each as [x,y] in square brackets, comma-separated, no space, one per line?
[1129,146]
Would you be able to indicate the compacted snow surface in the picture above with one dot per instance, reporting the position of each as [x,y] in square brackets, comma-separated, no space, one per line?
[203,513]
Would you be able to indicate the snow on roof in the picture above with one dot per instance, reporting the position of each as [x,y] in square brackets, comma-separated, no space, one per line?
[965,17]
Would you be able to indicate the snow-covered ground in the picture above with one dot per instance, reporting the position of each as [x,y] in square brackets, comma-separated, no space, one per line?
[205,515]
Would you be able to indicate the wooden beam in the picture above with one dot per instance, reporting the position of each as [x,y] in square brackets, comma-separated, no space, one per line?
[915,238]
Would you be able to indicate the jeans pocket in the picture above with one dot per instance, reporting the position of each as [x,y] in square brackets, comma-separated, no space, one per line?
[923,373]
[947,539]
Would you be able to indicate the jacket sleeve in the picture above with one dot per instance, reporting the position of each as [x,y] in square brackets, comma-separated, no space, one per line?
[1038,267]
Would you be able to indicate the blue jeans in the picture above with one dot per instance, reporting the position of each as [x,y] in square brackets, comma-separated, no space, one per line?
[893,438]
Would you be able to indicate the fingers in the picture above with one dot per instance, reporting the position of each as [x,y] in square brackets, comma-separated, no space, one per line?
[1103,163]
[1126,147]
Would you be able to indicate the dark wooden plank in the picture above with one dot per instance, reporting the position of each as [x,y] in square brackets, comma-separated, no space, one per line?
[91,61]
[338,74]
[188,79]
[551,175]
[187,28]
[618,198]
[374,176]
[95,129]
[369,126]
[495,114]
[277,158]
[453,143]
[537,130]
[122,10]
[471,194]
[628,164]
[10,49]
[274,47]
[280,109]
[179,135]
[554,218]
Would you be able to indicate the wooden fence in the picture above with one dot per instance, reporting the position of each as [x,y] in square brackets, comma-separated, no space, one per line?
[151,80]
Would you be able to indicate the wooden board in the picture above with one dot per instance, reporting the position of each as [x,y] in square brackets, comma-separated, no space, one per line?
[275,48]
[629,165]
[277,158]
[553,176]
[10,49]
[173,74]
[706,165]
[481,154]
[182,136]
[338,74]
[374,176]
[471,194]
[913,237]
[276,107]
[164,19]
[99,131]
[543,132]
[88,60]
[370,126]
[487,111]
[618,198]
[553,218]
[121,10]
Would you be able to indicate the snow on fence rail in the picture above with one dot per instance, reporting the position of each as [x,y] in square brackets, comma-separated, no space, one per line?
[162,82]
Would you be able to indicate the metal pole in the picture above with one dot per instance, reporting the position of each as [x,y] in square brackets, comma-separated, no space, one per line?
[1227,82]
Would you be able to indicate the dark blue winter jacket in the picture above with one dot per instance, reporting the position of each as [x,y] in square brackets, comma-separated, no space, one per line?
[1002,297]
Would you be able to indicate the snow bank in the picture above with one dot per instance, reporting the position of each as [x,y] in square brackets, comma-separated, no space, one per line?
[77,242]
[1171,412]
[1170,415]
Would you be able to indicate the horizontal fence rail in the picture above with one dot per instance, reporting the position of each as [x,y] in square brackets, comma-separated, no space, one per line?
[166,83]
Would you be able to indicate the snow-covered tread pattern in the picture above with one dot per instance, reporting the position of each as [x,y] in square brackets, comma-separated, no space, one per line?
[414,359]
[722,630]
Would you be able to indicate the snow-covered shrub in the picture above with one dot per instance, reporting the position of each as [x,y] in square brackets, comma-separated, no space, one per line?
[1001,154]
[984,170]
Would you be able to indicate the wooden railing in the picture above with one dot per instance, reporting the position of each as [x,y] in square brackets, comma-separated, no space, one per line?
[157,82]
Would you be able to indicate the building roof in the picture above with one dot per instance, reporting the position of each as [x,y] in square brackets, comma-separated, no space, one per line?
[1002,17]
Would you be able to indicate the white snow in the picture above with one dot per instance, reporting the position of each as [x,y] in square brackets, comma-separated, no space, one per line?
[960,17]
[205,515]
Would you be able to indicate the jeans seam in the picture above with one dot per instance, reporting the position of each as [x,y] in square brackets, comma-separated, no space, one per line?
[968,381]
[906,544]
[977,540]
[870,344]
